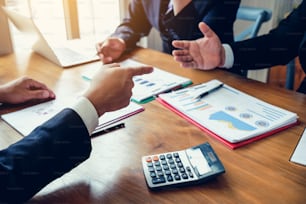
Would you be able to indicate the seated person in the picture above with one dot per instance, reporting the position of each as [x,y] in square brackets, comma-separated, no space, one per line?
[278,47]
[63,142]
[178,23]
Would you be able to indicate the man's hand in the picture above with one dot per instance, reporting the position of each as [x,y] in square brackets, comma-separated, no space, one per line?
[205,53]
[110,49]
[111,87]
[24,89]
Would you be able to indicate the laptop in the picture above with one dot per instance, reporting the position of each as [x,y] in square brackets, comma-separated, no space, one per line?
[65,54]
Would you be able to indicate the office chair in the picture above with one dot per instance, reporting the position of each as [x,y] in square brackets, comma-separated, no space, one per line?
[257,16]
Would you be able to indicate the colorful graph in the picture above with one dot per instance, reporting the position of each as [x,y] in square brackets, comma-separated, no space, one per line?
[231,121]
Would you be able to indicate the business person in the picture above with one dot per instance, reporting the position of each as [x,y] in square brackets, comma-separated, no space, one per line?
[177,19]
[63,142]
[278,47]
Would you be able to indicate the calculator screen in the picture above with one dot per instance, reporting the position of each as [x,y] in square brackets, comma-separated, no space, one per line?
[198,161]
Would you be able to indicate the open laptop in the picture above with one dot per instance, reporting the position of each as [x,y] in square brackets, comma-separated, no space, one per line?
[65,54]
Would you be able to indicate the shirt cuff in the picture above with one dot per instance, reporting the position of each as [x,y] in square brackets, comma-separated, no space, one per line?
[87,112]
[229,57]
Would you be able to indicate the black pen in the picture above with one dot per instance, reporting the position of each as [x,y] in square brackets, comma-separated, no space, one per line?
[101,131]
[201,95]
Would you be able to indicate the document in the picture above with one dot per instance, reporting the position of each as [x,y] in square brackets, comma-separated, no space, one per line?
[299,154]
[228,114]
[26,120]
[148,86]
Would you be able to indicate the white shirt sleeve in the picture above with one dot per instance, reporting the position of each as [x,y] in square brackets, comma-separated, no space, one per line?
[229,57]
[87,112]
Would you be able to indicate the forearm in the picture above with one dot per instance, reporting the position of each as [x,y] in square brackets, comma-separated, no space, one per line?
[48,152]
[135,26]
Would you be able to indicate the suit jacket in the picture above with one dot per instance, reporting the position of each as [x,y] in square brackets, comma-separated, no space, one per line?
[278,47]
[47,153]
[145,14]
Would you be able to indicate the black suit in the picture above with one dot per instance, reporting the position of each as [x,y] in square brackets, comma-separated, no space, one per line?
[281,45]
[145,14]
[47,153]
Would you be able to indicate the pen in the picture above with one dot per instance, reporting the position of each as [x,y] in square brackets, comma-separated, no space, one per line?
[101,131]
[201,95]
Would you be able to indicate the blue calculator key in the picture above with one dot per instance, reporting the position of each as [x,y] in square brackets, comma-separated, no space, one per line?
[159,180]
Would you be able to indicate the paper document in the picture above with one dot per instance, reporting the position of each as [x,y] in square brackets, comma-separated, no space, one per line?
[299,154]
[149,85]
[26,120]
[228,112]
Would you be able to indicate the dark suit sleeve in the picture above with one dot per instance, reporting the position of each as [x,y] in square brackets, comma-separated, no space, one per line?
[47,153]
[277,47]
[135,26]
[221,17]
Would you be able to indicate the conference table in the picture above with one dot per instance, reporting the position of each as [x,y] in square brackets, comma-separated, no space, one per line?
[260,172]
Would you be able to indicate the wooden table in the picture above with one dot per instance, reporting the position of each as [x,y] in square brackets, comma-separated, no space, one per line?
[257,173]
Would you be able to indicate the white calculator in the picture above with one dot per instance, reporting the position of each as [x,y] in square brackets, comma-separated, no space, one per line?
[182,168]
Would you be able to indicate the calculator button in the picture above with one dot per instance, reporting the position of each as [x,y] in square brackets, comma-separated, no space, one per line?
[171,161]
[179,164]
[148,159]
[177,177]
[169,178]
[169,156]
[190,174]
[182,170]
[158,180]
[152,174]
[188,169]
[165,167]
[158,168]
[177,160]
[162,157]
[167,172]
[164,162]
[172,166]
[151,169]
[157,163]
[149,164]
[184,176]
[160,173]
[174,171]
[175,154]
[155,158]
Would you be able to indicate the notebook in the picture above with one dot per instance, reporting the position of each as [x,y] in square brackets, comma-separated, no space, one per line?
[63,53]
[229,115]
[148,86]
[38,114]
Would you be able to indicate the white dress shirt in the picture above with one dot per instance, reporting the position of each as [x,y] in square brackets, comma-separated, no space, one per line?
[87,112]
[229,57]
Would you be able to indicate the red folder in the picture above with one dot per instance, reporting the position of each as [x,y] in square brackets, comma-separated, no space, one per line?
[229,144]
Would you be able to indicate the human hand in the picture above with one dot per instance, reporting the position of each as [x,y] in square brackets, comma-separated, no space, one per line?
[111,87]
[110,49]
[24,89]
[204,53]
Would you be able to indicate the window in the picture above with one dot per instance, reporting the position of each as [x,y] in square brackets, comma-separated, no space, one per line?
[95,18]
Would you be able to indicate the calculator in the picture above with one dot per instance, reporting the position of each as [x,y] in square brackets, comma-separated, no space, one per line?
[191,166]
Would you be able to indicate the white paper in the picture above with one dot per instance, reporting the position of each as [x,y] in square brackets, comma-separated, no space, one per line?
[26,120]
[228,112]
[299,154]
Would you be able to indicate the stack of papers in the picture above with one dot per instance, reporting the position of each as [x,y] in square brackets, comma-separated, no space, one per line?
[228,114]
